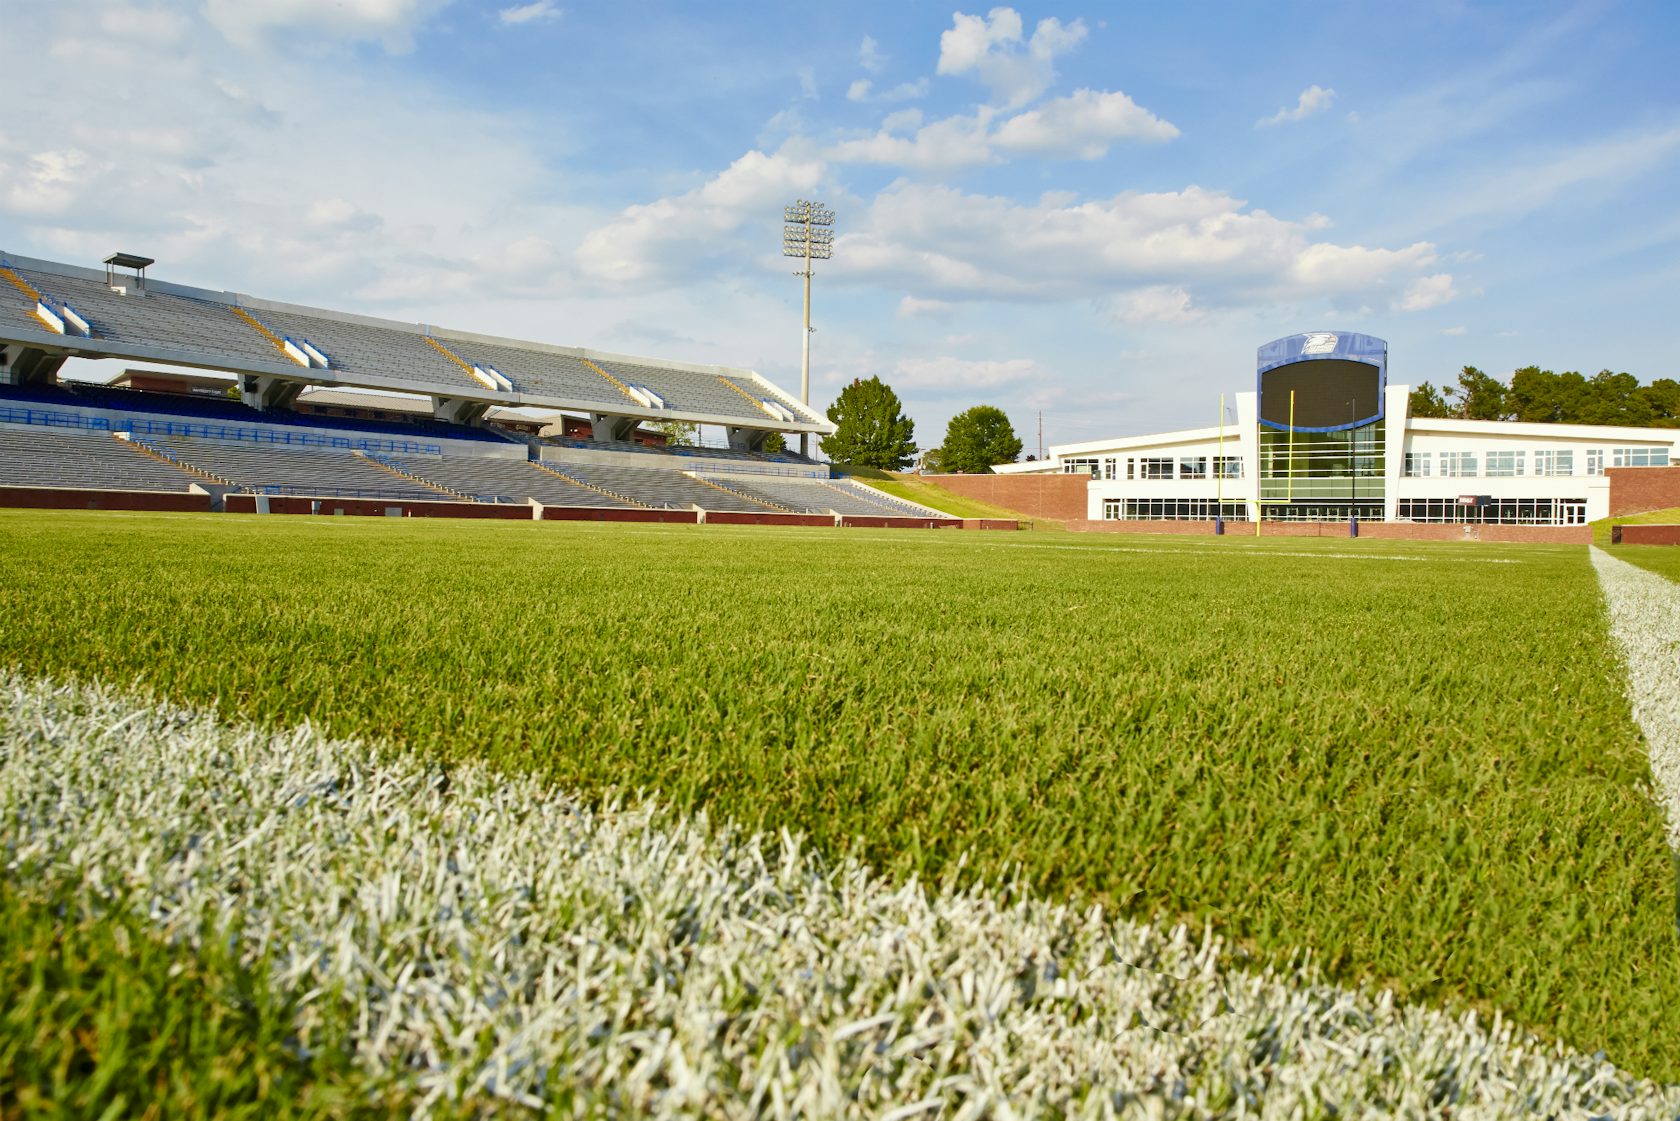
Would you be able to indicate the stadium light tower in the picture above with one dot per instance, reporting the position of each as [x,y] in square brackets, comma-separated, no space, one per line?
[807,232]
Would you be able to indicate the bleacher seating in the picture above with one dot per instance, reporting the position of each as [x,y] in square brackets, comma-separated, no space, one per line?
[364,348]
[226,410]
[537,371]
[47,457]
[271,469]
[191,326]
[821,496]
[659,487]
[500,480]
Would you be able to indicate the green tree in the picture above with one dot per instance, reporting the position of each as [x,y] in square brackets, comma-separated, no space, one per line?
[871,429]
[1479,396]
[978,439]
[775,442]
[1427,401]
[677,433]
[1663,395]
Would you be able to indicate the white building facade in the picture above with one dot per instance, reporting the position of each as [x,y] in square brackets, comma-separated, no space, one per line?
[1382,464]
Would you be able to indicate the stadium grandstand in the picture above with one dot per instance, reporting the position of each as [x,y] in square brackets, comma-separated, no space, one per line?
[303,402]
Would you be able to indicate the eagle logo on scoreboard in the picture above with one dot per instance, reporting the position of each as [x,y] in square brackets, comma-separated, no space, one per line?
[1322,342]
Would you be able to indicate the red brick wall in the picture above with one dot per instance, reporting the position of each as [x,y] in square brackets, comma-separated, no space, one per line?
[1057,497]
[990,523]
[742,517]
[609,514]
[1389,531]
[374,507]
[1646,534]
[54,498]
[1634,490]
[870,521]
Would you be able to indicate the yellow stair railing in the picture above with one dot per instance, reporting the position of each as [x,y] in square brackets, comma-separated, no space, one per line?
[20,284]
[622,388]
[273,339]
[466,367]
[760,405]
[737,494]
[412,477]
[591,486]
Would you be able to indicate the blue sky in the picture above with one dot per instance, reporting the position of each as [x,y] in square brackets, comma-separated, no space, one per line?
[1096,211]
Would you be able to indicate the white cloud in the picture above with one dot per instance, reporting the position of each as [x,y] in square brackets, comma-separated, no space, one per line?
[992,47]
[912,308]
[1428,291]
[665,239]
[1313,100]
[870,56]
[1175,253]
[807,83]
[944,145]
[339,214]
[864,90]
[1455,331]
[189,174]
[946,372]
[538,11]
[1158,303]
[1082,125]
[390,22]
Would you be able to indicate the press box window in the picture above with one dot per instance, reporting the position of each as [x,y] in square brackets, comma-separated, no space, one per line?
[1193,467]
[1501,465]
[1157,468]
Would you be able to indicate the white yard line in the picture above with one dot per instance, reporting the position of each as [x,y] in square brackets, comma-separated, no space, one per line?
[1645,622]
[481,932]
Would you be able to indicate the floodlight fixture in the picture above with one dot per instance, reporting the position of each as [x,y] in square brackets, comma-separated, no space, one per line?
[807,234]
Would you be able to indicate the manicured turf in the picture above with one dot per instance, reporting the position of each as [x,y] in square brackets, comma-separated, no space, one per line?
[1661,559]
[1601,528]
[913,488]
[102,1019]
[1413,759]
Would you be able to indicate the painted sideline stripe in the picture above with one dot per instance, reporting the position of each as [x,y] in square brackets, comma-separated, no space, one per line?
[1645,622]
[473,933]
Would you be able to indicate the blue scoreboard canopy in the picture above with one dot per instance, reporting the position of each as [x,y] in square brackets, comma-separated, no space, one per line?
[1329,380]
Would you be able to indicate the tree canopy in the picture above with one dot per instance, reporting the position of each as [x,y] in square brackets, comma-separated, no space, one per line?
[871,429]
[978,439]
[1545,397]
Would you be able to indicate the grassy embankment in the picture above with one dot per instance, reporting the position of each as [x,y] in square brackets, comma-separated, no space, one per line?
[1305,743]
[913,488]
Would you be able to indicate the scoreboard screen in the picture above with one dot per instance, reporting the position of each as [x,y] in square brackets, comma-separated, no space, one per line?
[1336,380]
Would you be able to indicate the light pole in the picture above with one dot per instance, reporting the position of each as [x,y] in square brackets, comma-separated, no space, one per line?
[807,232]
[1353,483]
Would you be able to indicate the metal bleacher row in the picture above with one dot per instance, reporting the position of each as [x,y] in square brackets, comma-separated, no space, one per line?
[243,333]
[255,430]
[82,460]
[58,457]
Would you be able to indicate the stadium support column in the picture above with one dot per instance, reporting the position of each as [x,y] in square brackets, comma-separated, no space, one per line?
[807,233]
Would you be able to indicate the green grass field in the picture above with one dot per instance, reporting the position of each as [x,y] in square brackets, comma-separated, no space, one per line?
[1662,559]
[913,488]
[1414,760]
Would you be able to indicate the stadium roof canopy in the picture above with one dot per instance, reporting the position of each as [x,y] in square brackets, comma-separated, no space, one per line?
[50,311]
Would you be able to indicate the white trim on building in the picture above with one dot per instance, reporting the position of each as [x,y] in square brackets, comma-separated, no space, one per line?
[1431,470]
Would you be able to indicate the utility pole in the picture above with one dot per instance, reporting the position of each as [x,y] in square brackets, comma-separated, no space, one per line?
[1041,435]
[807,233]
